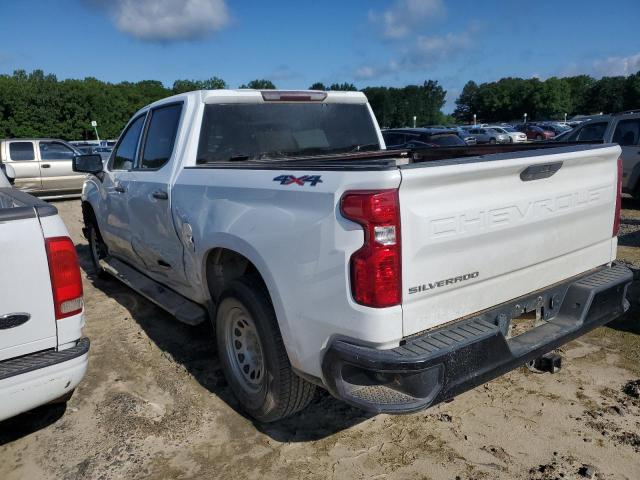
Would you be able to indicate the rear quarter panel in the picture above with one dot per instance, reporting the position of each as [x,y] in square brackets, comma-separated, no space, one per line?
[299,243]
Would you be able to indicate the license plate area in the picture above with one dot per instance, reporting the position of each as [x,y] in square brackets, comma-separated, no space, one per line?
[525,322]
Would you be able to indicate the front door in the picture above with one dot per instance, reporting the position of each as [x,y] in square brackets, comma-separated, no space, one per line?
[154,238]
[55,167]
[22,157]
[118,183]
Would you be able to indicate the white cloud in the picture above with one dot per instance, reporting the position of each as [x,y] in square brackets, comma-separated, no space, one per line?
[433,49]
[366,72]
[425,52]
[404,15]
[603,67]
[613,66]
[167,20]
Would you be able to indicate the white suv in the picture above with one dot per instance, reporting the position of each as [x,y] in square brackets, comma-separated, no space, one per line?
[623,129]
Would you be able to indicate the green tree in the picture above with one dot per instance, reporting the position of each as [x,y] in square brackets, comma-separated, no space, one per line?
[260,84]
[345,87]
[318,86]
[607,95]
[632,92]
[466,102]
[213,83]
[579,87]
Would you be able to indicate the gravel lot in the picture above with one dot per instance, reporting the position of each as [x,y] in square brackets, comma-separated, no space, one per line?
[154,405]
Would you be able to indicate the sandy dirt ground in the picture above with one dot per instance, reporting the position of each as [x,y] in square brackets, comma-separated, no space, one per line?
[154,404]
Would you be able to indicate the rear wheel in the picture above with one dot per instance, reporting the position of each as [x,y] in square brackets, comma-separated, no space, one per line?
[538,137]
[253,355]
[492,141]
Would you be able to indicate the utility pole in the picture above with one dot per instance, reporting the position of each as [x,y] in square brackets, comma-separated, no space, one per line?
[94,124]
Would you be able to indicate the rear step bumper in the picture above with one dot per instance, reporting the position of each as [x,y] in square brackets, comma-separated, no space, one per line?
[439,364]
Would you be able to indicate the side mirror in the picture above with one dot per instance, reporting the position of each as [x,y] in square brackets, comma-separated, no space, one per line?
[9,172]
[90,163]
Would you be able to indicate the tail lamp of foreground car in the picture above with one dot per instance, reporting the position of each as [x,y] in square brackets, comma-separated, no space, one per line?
[64,271]
[376,279]
[616,218]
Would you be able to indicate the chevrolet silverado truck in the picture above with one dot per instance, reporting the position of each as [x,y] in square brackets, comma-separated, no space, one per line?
[393,279]
[43,355]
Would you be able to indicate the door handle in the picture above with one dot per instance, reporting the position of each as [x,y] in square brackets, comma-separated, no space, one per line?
[45,165]
[11,320]
[160,195]
[119,189]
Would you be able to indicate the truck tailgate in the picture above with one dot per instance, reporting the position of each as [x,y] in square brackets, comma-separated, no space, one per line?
[477,232]
[27,321]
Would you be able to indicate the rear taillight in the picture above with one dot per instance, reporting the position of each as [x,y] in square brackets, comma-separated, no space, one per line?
[64,271]
[376,275]
[616,218]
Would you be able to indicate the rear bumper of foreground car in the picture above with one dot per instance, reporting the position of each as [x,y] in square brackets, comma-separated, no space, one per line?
[446,361]
[36,379]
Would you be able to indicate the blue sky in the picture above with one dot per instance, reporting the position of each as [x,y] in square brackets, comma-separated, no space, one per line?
[296,43]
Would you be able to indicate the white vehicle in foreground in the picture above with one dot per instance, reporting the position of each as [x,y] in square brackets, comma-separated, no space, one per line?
[43,355]
[394,279]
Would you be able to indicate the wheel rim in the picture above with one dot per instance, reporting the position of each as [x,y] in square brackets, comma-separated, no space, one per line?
[243,348]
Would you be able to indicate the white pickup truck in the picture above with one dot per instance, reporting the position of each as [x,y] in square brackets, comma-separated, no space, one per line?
[43,355]
[393,279]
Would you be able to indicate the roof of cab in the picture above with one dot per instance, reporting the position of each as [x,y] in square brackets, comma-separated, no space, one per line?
[245,95]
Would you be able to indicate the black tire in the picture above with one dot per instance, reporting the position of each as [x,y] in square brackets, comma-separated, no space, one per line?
[492,141]
[97,249]
[538,137]
[275,392]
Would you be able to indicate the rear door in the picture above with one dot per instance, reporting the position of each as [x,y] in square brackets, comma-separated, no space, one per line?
[476,233]
[22,155]
[627,134]
[27,319]
[55,167]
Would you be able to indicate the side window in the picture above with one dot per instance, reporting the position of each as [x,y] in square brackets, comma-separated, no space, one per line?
[160,136]
[21,151]
[393,139]
[593,132]
[627,132]
[55,151]
[125,153]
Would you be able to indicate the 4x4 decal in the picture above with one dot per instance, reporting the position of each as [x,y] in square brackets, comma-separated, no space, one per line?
[313,180]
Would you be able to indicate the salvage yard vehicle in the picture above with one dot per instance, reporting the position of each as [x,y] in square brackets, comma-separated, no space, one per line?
[43,166]
[43,355]
[514,135]
[622,128]
[394,279]
[399,138]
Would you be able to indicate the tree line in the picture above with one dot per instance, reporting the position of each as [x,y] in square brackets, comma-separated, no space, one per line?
[510,98]
[39,105]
